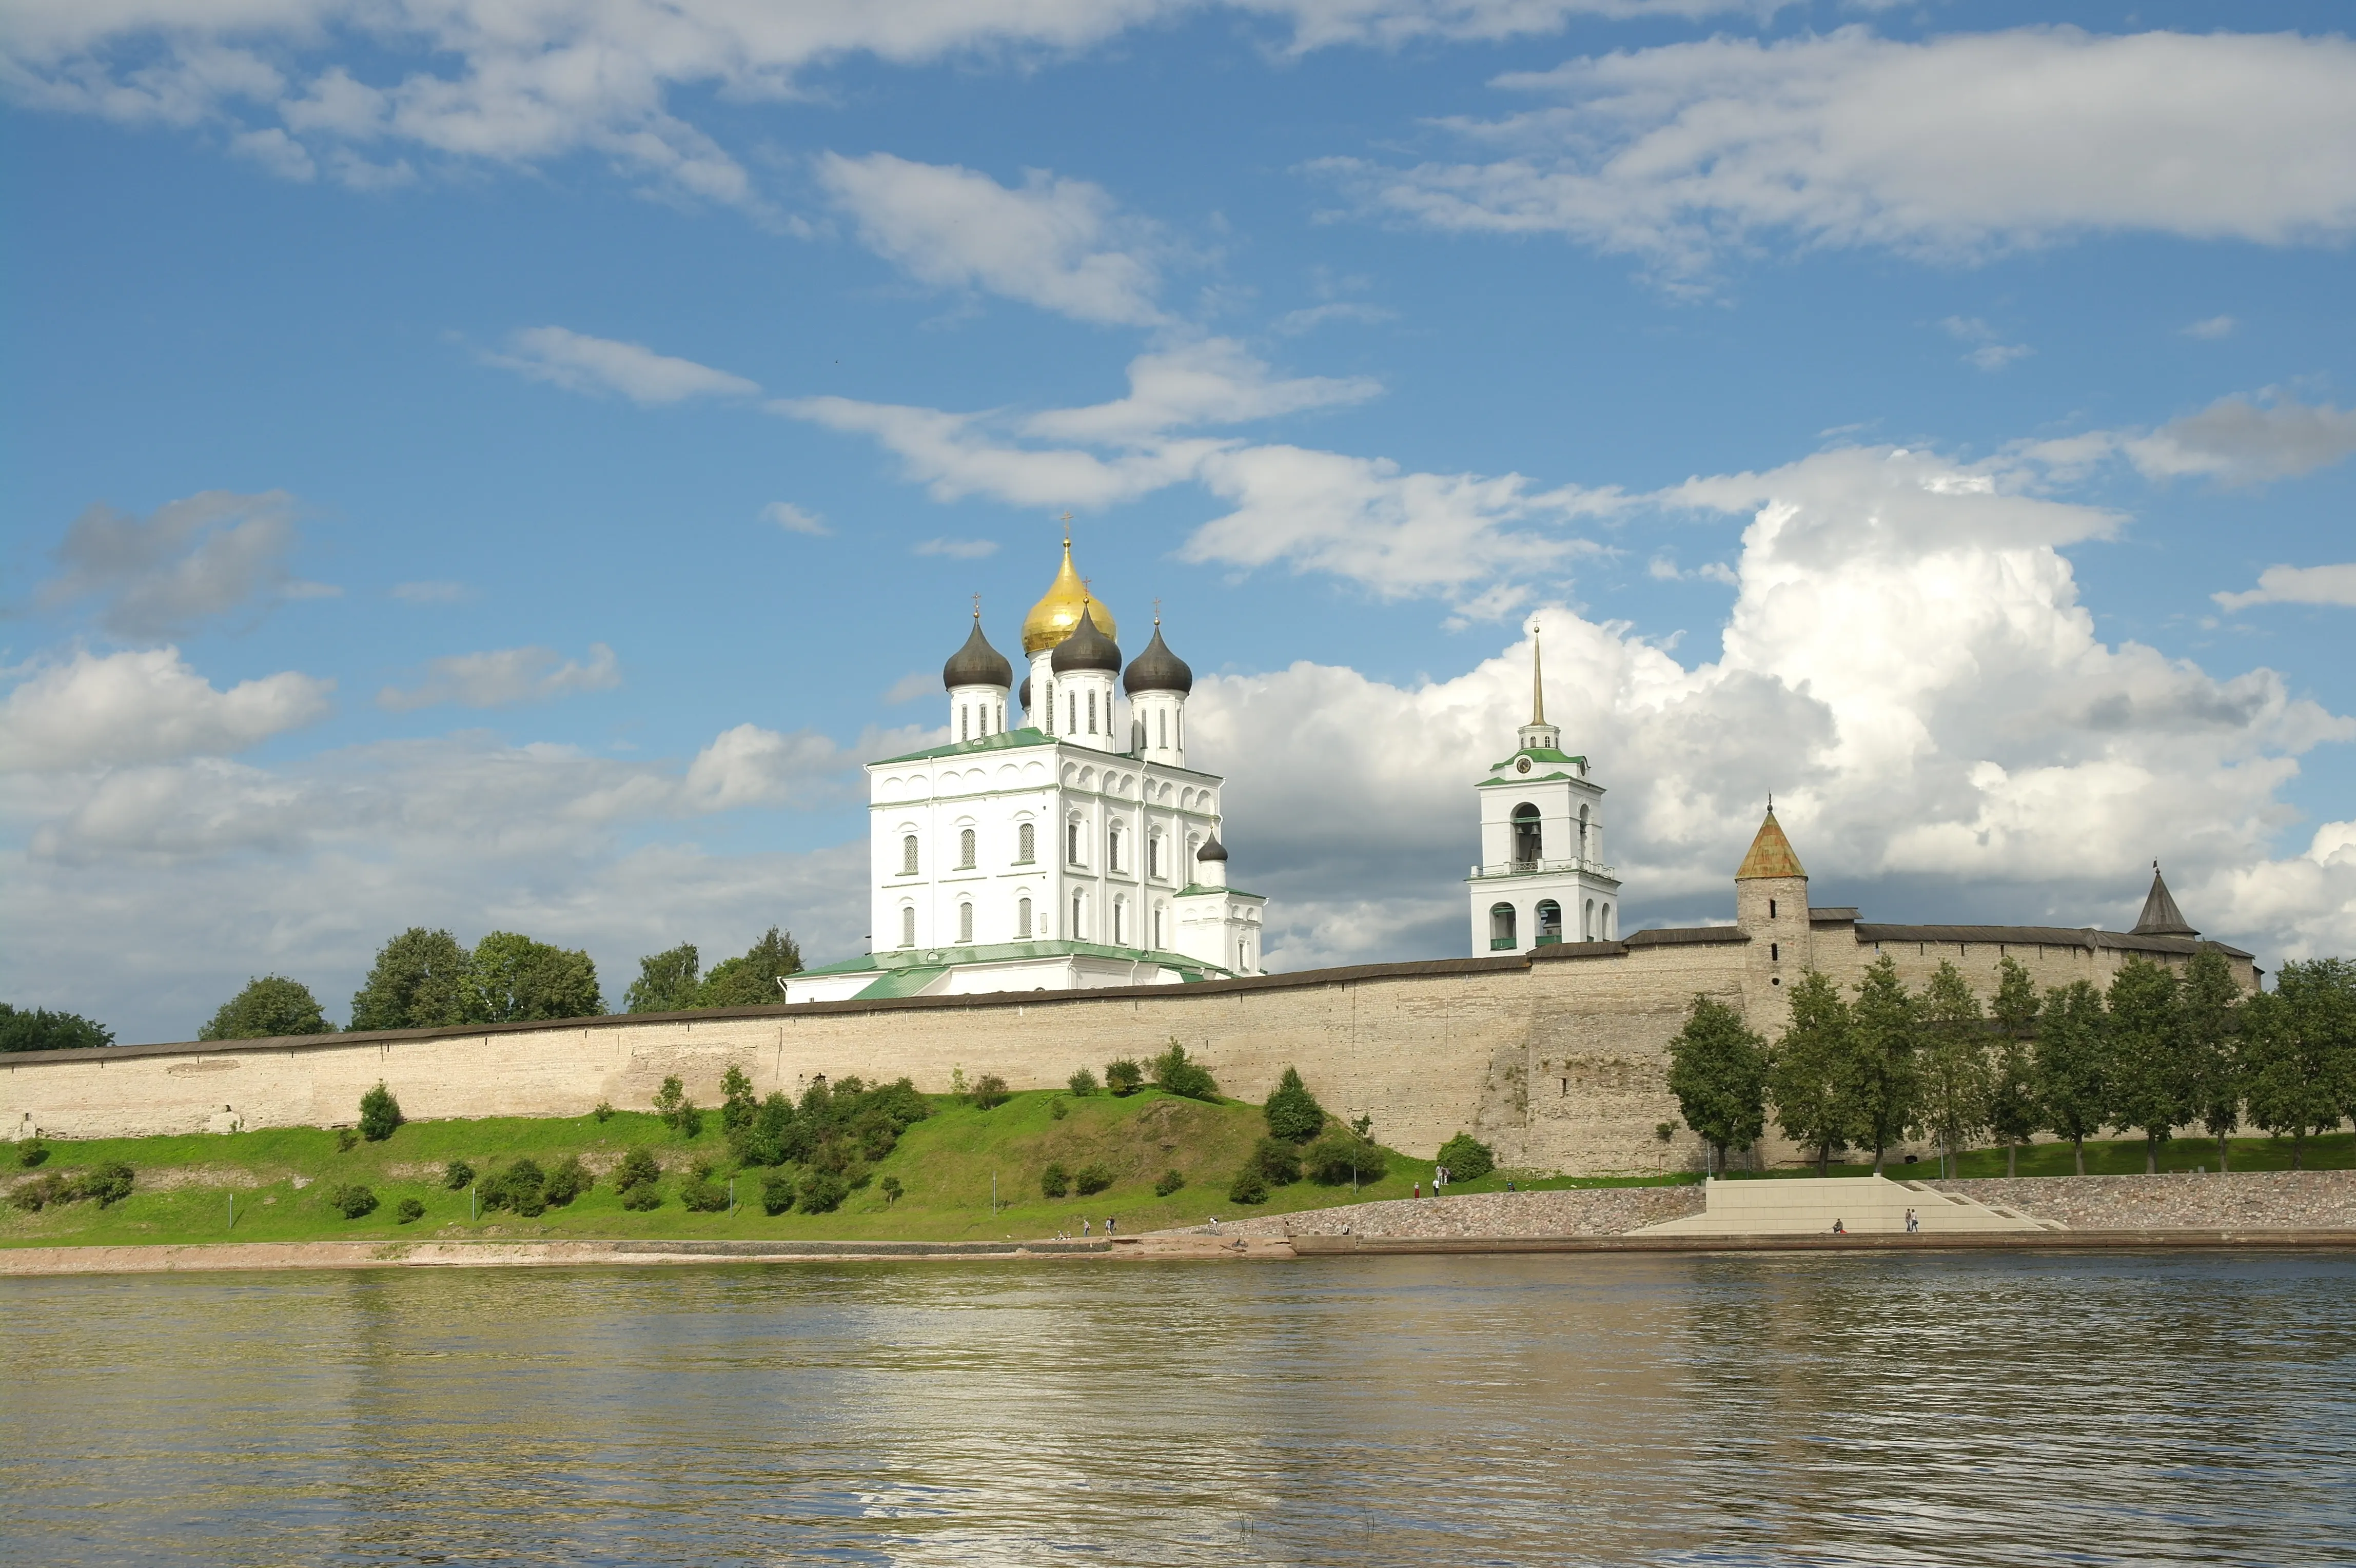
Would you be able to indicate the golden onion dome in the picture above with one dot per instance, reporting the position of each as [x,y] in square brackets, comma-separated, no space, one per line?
[1057,613]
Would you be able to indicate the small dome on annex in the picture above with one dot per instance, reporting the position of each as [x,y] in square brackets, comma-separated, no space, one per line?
[977,663]
[1157,669]
[1087,649]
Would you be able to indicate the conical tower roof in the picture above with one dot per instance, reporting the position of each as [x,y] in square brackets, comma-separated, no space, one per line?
[977,663]
[2160,916]
[1771,853]
[1157,669]
[1087,648]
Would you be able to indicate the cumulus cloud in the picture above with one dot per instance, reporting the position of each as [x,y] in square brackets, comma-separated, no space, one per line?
[1680,153]
[1987,352]
[503,677]
[581,363]
[749,766]
[2333,584]
[147,705]
[2212,328]
[794,520]
[2242,441]
[185,563]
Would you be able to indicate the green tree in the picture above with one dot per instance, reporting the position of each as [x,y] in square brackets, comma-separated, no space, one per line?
[419,982]
[2012,1112]
[1124,1076]
[1884,1084]
[1467,1158]
[738,1107]
[514,979]
[269,1006]
[1177,1073]
[1956,1076]
[2301,1039]
[2212,1045]
[750,980]
[38,1029]
[2071,1066]
[1809,1071]
[667,983]
[379,1113]
[1292,1112]
[2152,1083]
[1718,1070]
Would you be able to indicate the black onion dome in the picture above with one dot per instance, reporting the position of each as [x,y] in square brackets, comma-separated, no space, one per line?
[1157,670]
[1211,850]
[976,664]
[1087,648]
[1024,695]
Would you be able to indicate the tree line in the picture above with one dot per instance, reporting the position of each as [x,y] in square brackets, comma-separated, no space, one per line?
[2154,1052]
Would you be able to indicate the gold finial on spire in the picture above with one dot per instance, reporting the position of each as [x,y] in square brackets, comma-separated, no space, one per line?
[976,608]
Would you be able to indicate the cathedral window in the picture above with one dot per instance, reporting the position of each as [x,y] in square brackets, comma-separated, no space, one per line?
[1076,928]
[1072,842]
[1119,909]
[1072,708]
[908,855]
[1153,854]
[1022,919]
[965,923]
[1161,726]
[908,928]
[1092,712]
[965,722]
[1112,848]
[1159,945]
[965,849]
[1027,840]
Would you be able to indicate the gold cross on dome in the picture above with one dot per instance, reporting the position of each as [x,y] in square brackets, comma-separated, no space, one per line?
[1157,612]
[1066,520]
[976,607]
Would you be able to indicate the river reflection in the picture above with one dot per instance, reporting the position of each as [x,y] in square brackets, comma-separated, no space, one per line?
[1445,1411]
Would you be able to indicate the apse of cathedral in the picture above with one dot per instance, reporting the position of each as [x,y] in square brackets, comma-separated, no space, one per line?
[1060,840]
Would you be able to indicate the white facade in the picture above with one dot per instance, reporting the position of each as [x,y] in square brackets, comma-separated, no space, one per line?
[1062,854]
[1541,878]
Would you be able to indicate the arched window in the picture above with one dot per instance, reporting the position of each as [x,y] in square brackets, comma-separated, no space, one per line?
[965,923]
[1525,837]
[1161,727]
[1501,928]
[1073,930]
[1112,848]
[1159,941]
[1243,961]
[1610,932]
[1072,711]
[908,855]
[1549,915]
[1092,712]
[965,722]
[1153,854]
[1587,922]
[1072,842]
[1022,919]
[965,849]
[907,927]
[1026,843]
[1120,921]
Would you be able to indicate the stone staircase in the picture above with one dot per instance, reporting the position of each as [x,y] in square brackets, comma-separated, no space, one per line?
[1808,1206]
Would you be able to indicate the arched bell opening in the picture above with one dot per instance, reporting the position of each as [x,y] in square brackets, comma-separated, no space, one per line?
[1501,928]
[1526,838]
[1550,922]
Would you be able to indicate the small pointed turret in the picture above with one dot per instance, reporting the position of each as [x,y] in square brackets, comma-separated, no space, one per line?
[2160,916]
[1771,853]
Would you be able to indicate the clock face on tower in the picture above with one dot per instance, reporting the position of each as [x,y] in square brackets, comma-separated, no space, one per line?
[1523,765]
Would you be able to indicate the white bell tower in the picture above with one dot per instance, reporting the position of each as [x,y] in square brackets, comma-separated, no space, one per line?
[1541,878]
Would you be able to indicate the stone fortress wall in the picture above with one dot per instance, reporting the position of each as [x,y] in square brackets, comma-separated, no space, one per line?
[1555,1057]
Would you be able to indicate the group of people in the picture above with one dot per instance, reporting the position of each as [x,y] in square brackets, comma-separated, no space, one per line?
[1111,1228]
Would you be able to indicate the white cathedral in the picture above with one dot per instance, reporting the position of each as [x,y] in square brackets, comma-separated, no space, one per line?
[1078,850]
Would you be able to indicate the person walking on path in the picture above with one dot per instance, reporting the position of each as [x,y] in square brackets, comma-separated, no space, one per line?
[1839,1229]
[1913,1224]
[1109,1224]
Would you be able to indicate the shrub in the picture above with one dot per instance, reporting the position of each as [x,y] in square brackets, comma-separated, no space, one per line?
[522,1186]
[1276,1160]
[409,1211]
[1092,1179]
[776,1192]
[704,1195]
[763,1140]
[1172,1180]
[737,1106]
[569,1181]
[1178,1075]
[1340,1156]
[379,1113]
[458,1176]
[352,1200]
[32,1152]
[1055,1181]
[822,1192]
[1082,1083]
[1467,1158]
[990,1091]
[1249,1187]
[109,1183]
[643,1196]
[637,1169]
[1057,1108]
[42,1191]
[891,1188]
[678,1112]
[1665,1131]
[345,1139]
[1292,1112]
[1124,1077]
[605,1111]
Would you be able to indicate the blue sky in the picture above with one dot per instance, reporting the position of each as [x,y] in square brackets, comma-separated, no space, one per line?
[506,471]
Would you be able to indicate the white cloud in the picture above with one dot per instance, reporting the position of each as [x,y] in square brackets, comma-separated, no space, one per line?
[1680,153]
[1061,244]
[2241,441]
[432,593]
[1988,353]
[185,563]
[1215,381]
[957,548]
[749,766]
[2333,584]
[100,710]
[915,684]
[794,520]
[504,677]
[2212,330]
[584,364]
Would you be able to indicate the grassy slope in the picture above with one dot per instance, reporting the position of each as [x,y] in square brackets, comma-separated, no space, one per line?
[946,1163]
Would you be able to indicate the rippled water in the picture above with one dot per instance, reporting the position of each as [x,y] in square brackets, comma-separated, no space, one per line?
[1446,1410]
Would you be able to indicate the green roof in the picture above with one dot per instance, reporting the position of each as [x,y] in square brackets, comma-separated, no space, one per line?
[1005,740]
[1192,888]
[1519,778]
[903,982]
[931,961]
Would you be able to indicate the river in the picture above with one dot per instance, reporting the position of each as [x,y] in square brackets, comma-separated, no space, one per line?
[1870,1409]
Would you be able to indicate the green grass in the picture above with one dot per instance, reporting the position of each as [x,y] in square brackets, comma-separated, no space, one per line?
[947,1162]
[2331,1152]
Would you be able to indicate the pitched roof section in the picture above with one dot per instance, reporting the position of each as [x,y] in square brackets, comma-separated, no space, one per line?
[1771,853]
[2160,916]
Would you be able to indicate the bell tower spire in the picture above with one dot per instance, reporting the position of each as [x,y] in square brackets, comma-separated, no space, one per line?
[1537,734]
